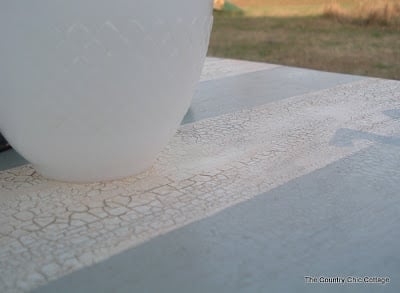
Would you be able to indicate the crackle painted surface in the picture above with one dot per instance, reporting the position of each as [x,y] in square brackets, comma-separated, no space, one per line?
[49,229]
[215,68]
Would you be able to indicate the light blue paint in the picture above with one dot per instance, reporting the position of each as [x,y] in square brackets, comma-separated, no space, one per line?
[11,159]
[342,220]
[231,94]
[344,137]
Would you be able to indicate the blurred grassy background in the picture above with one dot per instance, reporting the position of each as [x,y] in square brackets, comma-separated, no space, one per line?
[348,36]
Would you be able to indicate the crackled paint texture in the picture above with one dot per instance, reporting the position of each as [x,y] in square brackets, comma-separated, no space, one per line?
[49,229]
[216,68]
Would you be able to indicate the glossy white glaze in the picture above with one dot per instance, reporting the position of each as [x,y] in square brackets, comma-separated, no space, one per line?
[92,90]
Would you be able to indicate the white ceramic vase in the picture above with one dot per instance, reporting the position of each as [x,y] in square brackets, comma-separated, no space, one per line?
[92,90]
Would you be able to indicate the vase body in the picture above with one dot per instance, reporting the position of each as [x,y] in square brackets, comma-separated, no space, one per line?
[92,90]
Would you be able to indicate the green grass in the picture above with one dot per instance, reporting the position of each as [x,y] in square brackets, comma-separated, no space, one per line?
[309,41]
[232,8]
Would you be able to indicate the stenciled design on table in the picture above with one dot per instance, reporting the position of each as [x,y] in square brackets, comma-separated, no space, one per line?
[49,229]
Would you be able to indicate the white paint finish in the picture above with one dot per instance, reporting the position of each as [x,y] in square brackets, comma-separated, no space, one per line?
[92,89]
[213,68]
[341,220]
[216,68]
[50,229]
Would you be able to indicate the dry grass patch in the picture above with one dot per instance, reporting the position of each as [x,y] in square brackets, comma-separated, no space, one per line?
[295,33]
[285,8]
[383,12]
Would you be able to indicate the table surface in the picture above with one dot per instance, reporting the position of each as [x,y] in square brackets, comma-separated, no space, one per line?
[276,173]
